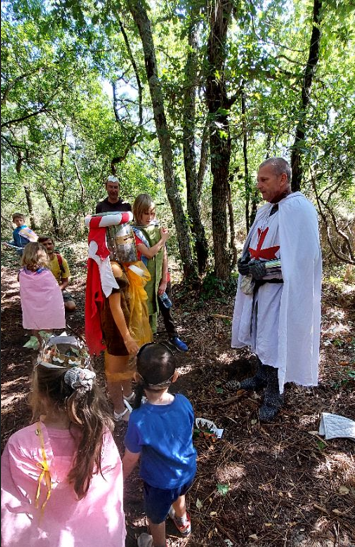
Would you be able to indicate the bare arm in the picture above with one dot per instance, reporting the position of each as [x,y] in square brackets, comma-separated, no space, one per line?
[150,252]
[118,316]
[64,283]
[129,461]
[164,279]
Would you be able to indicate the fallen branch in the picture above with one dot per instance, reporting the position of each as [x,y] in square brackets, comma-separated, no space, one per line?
[220,316]
[226,533]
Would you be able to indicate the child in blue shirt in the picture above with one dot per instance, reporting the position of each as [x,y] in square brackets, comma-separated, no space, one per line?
[21,235]
[160,431]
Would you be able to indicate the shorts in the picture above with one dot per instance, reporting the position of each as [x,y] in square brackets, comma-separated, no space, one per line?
[158,501]
[67,297]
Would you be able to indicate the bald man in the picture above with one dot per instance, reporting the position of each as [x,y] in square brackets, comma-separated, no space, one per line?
[277,307]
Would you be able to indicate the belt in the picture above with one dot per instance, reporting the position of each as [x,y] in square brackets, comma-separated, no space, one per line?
[260,282]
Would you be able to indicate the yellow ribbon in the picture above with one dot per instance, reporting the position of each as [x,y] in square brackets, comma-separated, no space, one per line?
[45,473]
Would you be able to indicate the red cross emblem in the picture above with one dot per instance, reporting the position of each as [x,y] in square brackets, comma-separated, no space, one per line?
[267,254]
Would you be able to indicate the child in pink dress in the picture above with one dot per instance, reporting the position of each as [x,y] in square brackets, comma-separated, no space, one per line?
[41,298]
[61,476]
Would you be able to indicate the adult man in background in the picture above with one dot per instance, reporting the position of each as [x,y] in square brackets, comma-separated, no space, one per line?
[60,269]
[113,202]
[277,307]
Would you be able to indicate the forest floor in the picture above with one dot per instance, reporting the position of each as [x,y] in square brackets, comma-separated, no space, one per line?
[264,485]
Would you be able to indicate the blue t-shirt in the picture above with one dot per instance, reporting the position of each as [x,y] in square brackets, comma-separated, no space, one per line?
[19,241]
[163,435]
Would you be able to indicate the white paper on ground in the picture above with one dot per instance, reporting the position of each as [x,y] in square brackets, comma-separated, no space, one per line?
[333,426]
[202,423]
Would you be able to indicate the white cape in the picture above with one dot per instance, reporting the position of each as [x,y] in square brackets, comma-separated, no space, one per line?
[298,336]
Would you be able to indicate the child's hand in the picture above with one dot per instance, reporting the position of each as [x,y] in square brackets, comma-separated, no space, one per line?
[162,287]
[164,232]
[131,345]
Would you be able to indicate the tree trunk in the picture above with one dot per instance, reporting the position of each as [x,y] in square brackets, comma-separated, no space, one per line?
[247,184]
[140,16]
[30,207]
[189,116]
[203,158]
[52,210]
[220,142]
[313,58]
[233,245]
[19,162]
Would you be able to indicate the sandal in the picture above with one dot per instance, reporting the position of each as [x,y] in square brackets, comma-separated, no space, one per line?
[121,416]
[130,398]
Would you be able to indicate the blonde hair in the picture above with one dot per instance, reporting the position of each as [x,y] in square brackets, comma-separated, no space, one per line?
[34,257]
[141,205]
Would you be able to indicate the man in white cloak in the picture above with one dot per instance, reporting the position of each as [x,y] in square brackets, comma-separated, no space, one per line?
[277,306]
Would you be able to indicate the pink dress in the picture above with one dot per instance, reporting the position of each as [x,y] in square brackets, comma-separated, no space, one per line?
[96,520]
[41,300]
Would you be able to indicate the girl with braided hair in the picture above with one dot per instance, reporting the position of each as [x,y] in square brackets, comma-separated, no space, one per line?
[62,482]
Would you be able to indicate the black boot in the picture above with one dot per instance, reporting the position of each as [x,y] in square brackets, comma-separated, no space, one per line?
[256,382]
[272,398]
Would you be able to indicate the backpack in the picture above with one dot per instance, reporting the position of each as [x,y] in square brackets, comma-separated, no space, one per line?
[60,262]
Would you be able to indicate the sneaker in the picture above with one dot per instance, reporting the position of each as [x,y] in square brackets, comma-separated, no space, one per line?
[179,344]
[183,524]
[145,540]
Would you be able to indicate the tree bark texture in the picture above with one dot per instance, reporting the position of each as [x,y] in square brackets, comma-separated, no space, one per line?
[30,207]
[192,187]
[313,58]
[140,16]
[247,184]
[220,141]
[52,210]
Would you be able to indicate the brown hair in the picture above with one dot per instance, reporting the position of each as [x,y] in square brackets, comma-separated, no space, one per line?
[42,239]
[141,205]
[17,215]
[34,257]
[88,410]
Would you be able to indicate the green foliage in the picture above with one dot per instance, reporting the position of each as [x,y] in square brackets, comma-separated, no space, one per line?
[61,128]
[215,288]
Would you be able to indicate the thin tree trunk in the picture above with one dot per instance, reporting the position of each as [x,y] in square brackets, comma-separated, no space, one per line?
[52,210]
[220,141]
[82,189]
[140,16]
[246,167]
[203,158]
[313,58]
[233,245]
[30,207]
[19,162]
[189,116]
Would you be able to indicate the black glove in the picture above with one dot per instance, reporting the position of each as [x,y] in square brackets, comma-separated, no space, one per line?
[257,269]
[243,265]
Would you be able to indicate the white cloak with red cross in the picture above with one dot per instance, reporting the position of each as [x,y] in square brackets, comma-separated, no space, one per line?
[281,322]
